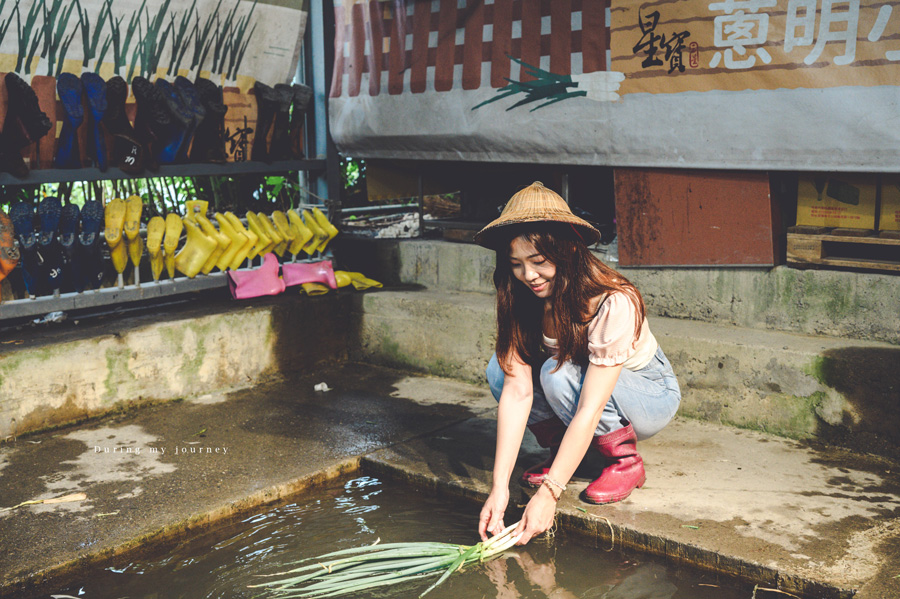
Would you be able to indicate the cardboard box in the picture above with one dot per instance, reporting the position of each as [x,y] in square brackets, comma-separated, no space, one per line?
[889,219]
[837,200]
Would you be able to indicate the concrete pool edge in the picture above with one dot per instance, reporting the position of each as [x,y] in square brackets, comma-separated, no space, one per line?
[182,530]
[600,531]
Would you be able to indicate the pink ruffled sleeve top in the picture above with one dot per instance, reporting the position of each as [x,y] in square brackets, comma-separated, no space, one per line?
[611,339]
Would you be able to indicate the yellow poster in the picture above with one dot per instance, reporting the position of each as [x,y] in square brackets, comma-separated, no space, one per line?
[734,45]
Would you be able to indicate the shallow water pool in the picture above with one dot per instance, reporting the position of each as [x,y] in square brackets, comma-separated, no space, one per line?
[361,510]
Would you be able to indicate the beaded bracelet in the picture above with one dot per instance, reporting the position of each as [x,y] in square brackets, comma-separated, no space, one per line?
[555,484]
[549,488]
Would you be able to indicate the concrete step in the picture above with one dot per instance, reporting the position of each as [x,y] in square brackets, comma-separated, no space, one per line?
[804,387]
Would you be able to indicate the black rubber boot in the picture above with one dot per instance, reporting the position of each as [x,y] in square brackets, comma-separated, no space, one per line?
[127,152]
[266,105]
[281,135]
[209,138]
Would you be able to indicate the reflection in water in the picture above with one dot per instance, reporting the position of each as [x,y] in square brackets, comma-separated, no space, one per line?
[222,563]
[646,581]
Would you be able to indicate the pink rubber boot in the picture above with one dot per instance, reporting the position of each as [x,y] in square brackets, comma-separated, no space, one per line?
[297,273]
[549,434]
[264,280]
[626,469]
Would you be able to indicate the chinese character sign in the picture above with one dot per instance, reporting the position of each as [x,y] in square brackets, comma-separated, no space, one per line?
[736,45]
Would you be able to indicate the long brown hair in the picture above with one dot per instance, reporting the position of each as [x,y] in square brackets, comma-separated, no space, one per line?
[580,277]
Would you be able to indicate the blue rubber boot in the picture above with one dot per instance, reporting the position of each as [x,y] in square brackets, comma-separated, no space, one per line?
[70,91]
[180,127]
[22,216]
[49,213]
[95,92]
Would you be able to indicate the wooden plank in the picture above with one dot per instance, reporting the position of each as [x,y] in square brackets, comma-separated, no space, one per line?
[804,249]
[867,264]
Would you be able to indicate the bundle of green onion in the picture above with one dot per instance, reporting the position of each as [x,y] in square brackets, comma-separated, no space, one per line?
[364,568]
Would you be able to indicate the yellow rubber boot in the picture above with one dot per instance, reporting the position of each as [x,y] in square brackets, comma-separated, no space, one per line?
[119,256]
[359,281]
[114,217]
[325,225]
[272,232]
[314,288]
[156,228]
[342,278]
[320,237]
[264,243]
[135,251]
[280,220]
[194,207]
[174,227]
[238,241]
[250,236]
[222,242]
[196,251]
[134,205]
[303,234]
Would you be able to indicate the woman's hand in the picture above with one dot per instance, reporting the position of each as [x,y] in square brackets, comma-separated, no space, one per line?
[538,515]
[491,519]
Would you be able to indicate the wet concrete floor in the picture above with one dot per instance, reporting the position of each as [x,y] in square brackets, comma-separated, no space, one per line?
[816,522]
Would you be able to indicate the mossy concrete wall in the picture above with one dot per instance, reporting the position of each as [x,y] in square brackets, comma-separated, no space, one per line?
[798,386]
[814,302]
[804,354]
[103,367]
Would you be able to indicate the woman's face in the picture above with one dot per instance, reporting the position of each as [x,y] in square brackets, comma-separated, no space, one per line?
[530,267]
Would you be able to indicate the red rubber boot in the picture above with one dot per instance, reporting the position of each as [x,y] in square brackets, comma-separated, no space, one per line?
[549,434]
[625,472]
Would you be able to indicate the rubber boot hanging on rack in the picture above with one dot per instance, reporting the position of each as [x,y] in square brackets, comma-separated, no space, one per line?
[70,91]
[127,152]
[88,261]
[266,105]
[68,234]
[115,237]
[24,124]
[95,92]
[156,228]
[22,216]
[49,213]
[209,138]
[248,246]
[174,226]
[9,251]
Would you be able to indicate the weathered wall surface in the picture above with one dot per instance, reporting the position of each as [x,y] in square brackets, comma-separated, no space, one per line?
[803,354]
[112,367]
[814,302]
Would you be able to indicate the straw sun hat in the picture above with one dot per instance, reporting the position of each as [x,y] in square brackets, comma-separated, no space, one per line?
[534,204]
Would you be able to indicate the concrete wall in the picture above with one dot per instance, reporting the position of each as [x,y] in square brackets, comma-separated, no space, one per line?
[100,367]
[767,374]
[813,302]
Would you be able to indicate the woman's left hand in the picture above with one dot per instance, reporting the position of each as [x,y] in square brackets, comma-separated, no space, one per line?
[538,515]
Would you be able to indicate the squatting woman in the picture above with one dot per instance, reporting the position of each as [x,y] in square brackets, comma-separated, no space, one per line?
[575,362]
